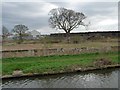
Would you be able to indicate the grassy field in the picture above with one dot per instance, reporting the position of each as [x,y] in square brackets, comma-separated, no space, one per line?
[88,44]
[54,63]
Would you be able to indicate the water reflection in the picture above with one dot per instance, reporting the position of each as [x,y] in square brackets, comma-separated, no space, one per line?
[96,79]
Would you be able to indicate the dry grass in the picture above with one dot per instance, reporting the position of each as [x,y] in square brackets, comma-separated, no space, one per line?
[88,44]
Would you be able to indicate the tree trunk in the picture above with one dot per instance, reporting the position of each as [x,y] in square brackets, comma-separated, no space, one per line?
[20,39]
[68,37]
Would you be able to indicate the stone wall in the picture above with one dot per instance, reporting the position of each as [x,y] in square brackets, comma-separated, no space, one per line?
[56,51]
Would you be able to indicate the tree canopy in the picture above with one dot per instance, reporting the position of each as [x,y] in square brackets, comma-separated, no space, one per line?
[66,19]
[5,32]
[20,31]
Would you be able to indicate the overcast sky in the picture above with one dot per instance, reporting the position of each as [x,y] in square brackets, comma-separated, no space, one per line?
[102,15]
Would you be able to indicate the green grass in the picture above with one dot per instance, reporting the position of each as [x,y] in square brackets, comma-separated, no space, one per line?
[54,63]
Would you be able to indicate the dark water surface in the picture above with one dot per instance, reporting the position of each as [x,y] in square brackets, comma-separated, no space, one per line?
[107,78]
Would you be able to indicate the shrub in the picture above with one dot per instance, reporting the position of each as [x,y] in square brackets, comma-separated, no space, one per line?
[102,62]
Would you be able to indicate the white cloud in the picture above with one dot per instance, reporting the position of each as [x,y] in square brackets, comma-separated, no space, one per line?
[60,0]
[35,15]
[40,11]
[47,30]
[108,22]
[46,8]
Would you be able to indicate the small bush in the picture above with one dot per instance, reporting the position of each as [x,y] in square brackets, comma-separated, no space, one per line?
[102,62]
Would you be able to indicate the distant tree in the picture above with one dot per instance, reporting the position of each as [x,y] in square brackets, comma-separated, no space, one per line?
[5,32]
[66,19]
[20,31]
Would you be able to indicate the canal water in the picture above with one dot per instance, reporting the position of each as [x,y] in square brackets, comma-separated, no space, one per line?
[107,78]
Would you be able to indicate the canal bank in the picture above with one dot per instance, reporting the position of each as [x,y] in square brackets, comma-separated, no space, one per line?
[50,65]
[61,72]
[105,78]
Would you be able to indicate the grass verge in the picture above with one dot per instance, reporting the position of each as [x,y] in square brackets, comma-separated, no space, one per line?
[55,63]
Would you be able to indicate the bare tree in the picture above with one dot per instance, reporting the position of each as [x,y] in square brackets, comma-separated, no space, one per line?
[66,19]
[20,31]
[5,32]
